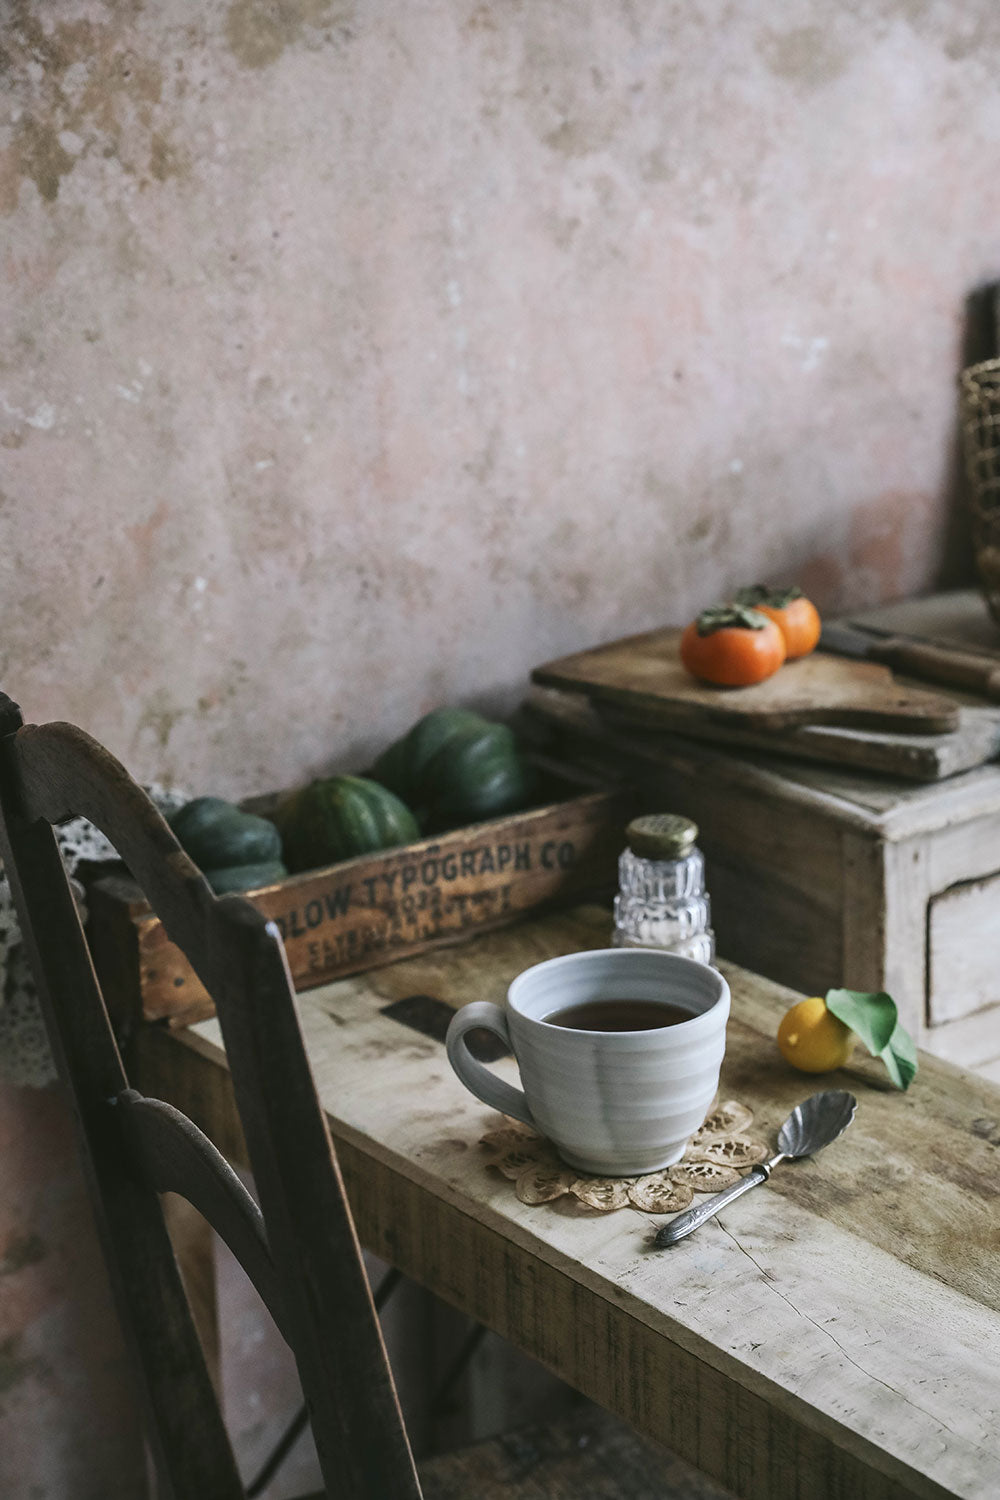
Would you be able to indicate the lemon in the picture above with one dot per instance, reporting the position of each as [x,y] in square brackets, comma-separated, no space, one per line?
[812,1039]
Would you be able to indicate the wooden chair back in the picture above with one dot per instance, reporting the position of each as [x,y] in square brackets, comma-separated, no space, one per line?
[298,1245]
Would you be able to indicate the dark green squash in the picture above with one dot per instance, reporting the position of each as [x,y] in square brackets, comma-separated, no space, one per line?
[401,768]
[246,877]
[339,817]
[476,774]
[218,834]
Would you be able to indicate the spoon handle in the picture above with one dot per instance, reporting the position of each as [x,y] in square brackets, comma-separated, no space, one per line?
[687,1222]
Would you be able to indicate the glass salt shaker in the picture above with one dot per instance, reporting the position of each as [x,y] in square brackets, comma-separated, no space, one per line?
[662,901]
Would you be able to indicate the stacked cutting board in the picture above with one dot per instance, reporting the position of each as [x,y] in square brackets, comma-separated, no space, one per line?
[826,707]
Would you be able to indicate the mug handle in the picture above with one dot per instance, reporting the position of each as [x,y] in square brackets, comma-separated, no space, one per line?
[483,1014]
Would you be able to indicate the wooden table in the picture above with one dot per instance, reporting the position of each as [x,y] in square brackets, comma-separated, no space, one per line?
[834,1333]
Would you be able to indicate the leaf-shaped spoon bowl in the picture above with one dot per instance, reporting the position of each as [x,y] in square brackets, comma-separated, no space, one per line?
[816,1122]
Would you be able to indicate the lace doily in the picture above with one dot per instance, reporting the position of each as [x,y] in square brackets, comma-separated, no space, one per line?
[25,1057]
[717,1156]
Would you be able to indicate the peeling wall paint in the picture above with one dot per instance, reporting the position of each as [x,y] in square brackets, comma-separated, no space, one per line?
[258,31]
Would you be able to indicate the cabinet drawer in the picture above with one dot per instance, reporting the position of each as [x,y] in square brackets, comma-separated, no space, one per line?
[963,950]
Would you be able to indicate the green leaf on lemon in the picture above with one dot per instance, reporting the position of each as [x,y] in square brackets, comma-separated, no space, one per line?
[874,1018]
[900,1057]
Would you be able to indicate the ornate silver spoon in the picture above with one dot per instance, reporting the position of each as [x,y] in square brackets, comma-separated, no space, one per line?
[812,1124]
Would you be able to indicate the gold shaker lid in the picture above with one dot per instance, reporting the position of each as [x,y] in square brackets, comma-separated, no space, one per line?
[661,836]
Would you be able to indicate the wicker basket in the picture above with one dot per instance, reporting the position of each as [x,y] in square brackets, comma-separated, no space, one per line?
[980,401]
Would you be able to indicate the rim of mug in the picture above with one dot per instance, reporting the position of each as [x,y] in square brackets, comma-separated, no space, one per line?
[589,953]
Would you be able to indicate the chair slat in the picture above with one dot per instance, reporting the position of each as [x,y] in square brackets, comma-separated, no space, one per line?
[179,1158]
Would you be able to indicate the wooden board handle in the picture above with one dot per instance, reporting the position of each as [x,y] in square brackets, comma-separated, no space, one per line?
[902,714]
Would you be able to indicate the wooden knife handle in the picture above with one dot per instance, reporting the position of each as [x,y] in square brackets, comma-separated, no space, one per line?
[959,669]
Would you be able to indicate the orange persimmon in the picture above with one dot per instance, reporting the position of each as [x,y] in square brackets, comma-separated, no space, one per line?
[795,616]
[732,646]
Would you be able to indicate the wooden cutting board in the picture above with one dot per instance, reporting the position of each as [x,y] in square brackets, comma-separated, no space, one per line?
[644,676]
[903,757]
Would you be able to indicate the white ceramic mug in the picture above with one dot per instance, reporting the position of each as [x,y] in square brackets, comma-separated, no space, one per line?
[614,1103]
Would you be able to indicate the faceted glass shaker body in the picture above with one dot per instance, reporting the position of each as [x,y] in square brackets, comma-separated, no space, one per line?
[662,903]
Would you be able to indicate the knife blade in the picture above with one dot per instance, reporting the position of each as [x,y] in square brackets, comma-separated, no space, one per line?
[958,669]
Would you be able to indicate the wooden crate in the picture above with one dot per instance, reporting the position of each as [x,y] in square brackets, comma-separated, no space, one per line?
[371,910]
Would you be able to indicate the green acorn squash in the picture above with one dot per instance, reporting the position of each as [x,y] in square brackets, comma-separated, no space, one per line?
[477,773]
[218,835]
[339,817]
[401,768]
[246,877]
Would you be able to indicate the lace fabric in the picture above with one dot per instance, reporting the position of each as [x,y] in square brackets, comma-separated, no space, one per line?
[25,1057]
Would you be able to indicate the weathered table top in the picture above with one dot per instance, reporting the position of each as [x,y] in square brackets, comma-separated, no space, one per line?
[834,1333]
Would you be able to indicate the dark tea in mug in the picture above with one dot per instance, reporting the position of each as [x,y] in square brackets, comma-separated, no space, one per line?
[620,1015]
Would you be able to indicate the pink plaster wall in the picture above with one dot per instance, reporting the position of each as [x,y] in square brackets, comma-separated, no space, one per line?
[356,356]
